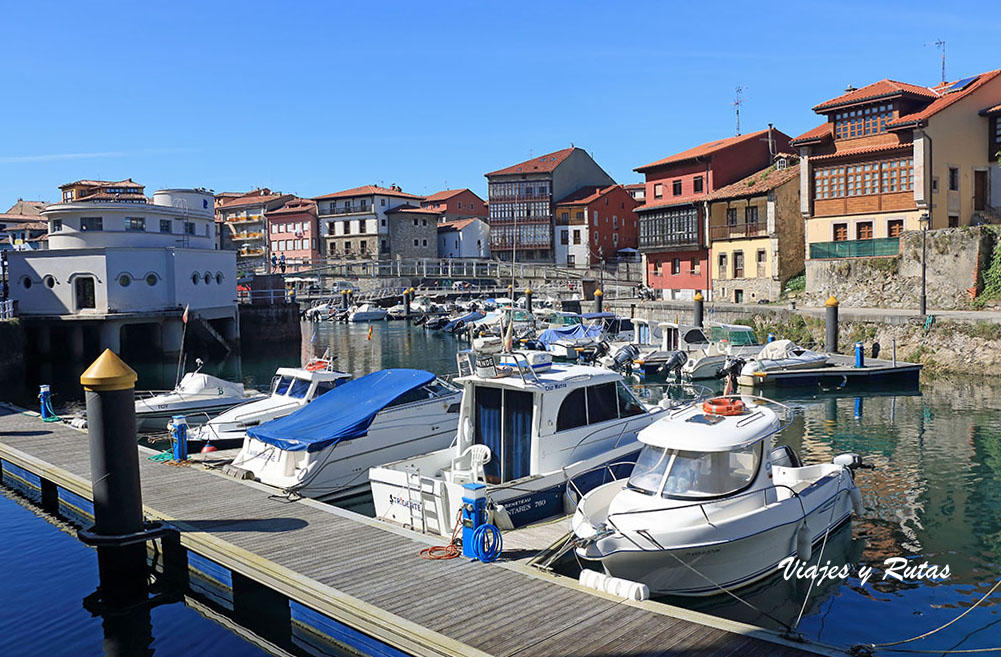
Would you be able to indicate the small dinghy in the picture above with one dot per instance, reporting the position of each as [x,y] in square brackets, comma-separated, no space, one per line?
[198,396]
[367,313]
[780,356]
[710,505]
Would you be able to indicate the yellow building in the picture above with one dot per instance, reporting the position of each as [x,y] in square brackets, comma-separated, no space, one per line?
[892,155]
[756,234]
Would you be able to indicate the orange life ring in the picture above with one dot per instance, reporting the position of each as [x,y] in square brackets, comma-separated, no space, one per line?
[724,406]
[317,365]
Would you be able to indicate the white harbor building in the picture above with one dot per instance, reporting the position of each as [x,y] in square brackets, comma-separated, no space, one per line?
[119,265]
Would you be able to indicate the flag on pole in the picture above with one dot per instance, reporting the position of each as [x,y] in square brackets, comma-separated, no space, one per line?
[369,331]
[184,317]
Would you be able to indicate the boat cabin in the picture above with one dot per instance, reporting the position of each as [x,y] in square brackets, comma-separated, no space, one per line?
[300,383]
[733,334]
[678,337]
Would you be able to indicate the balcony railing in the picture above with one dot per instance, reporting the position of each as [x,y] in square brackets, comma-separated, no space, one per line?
[352,210]
[737,231]
[250,253]
[247,236]
[887,246]
[501,243]
[248,219]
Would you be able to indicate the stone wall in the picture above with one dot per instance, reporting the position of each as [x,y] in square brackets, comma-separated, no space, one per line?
[277,323]
[955,258]
[12,348]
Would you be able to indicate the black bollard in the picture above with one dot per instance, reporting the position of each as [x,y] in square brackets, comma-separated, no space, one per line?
[528,299]
[344,299]
[699,309]
[114,463]
[406,303]
[351,298]
[831,337]
[597,300]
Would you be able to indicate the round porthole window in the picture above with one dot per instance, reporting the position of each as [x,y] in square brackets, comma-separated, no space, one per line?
[151,279]
[26,282]
[218,278]
[194,278]
[50,281]
[208,278]
[125,280]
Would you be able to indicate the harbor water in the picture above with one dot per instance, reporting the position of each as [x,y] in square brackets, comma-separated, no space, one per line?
[934,497]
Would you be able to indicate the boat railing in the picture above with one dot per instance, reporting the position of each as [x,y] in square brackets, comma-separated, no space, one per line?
[521,362]
[571,483]
[241,418]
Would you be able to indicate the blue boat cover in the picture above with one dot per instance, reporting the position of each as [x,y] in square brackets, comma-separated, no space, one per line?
[575,332]
[344,413]
[598,315]
[465,319]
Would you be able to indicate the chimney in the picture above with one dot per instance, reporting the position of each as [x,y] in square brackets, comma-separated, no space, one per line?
[850,89]
[771,143]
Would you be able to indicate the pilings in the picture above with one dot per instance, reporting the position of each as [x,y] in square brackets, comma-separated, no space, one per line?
[528,299]
[831,321]
[698,309]
[598,294]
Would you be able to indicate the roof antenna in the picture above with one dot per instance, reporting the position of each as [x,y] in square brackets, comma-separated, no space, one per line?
[940,44]
[737,102]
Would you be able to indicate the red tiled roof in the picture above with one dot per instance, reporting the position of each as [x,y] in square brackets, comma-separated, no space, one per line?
[542,164]
[128,182]
[881,89]
[820,133]
[702,150]
[24,221]
[585,195]
[444,195]
[106,196]
[256,197]
[757,183]
[297,205]
[635,186]
[865,150]
[991,110]
[459,224]
[32,208]
[410,209]
[366,190]
[944,100]
[689,200]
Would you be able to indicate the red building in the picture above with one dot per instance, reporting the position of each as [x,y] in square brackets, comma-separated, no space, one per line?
[593,223]
[455,204]
[293,231]
[672,235]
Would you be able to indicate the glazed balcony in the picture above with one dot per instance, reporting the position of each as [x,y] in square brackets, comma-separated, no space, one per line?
[887,246]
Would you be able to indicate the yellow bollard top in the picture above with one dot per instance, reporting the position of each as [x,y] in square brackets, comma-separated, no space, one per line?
[108,372]
[344,291]
[698,297]
[831,301]
[528,290]
[411,290]
[599,293]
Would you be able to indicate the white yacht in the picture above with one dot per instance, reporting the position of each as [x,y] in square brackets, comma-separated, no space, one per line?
[367,313]
[291,389]
[198,396]
[324,450]
[780,356]
[709,503]
[724,340]
[523,430]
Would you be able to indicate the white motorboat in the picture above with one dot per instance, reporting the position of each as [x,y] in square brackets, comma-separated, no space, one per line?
[677,343]
[780,356]
[523,430]
[724,340]
[709,503]
[198,396]
[367,313]
[291,389]
[324,450]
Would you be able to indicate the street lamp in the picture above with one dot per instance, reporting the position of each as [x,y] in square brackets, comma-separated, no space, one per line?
[924,262]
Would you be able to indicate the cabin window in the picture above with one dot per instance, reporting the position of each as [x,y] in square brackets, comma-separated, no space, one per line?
[695,336]
[298,388]
[711,474]
[324,387]
[573,411]
[628,406]
[280,386]
[649,470]
[601,405]
[411,396]
[503,422]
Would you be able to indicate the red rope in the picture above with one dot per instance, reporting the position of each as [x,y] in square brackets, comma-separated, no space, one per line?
[441,552]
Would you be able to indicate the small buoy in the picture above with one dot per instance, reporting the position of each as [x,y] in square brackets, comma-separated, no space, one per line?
[804,546]
[857,505]
[209,447]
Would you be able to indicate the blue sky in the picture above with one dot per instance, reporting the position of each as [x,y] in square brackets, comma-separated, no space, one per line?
[311,98]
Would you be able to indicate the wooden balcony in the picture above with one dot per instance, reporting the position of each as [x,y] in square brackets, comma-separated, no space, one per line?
[737,231]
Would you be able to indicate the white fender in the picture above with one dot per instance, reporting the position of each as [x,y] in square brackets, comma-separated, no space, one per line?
[857,505]
[804,546]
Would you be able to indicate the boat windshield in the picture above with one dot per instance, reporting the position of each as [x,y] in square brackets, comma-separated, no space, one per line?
[281,384]
[681,474]
[735,336]
[298,388]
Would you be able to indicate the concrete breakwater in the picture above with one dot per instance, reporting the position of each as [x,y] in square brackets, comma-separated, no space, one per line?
[944,344]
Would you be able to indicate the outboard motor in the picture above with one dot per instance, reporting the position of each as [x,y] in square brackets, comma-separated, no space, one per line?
[420,321]
[875,350]
[730,371]
[622,359]
[673,364]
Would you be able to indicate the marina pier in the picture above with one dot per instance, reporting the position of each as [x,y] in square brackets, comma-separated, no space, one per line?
[359,582]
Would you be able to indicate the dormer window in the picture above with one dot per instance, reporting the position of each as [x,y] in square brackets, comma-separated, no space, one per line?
[862,121]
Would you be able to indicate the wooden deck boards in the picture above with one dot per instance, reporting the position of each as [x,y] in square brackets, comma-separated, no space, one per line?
[371,577]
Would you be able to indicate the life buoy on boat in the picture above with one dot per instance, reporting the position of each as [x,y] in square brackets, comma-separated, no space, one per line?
[724,406]
[317,365]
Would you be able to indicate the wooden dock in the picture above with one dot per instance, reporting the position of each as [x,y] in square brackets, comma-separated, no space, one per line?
[367,576]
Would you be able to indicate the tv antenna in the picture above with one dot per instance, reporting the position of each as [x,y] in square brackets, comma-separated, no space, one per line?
[737,102]
[940,44]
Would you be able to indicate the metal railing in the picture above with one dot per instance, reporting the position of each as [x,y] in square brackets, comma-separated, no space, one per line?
[7,309]
[352,210]
[886,246]
[737,231]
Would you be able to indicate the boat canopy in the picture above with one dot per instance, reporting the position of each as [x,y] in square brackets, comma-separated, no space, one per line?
[465,319]
[598,315]
[344,413]
[196,382]
[575,332]
[695,430]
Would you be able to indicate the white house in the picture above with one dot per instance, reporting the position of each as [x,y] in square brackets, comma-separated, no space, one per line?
[465,238]
[125,260]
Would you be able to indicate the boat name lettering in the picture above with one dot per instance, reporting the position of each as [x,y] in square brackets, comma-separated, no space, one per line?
[555,386]
[897,568]
[266,454]
[413,506]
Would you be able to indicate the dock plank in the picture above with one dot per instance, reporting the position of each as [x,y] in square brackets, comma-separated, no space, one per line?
[370,577]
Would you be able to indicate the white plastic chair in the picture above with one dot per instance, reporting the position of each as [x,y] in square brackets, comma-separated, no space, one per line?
[468,466]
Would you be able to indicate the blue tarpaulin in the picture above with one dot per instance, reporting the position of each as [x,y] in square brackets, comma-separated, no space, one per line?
[575,332]
[465,319]
[598,315]
[341,414]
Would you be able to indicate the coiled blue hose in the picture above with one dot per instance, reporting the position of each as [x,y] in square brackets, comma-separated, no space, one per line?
[484,549]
